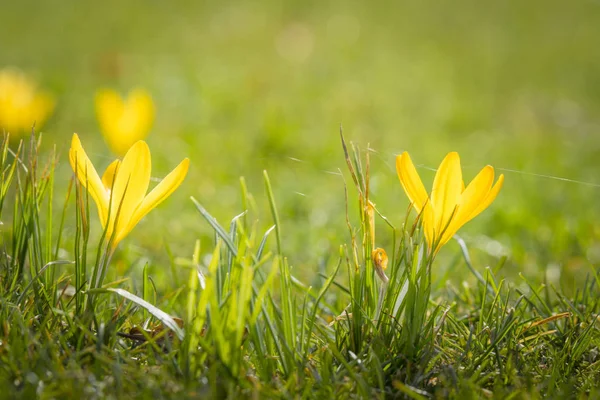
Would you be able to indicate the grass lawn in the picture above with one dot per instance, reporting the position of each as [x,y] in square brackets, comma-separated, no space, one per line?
[258,276]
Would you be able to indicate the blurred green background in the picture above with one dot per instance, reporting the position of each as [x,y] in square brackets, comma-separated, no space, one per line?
[246,86]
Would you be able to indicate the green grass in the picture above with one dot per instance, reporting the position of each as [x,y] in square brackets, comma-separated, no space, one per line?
[293,311]
[250,327]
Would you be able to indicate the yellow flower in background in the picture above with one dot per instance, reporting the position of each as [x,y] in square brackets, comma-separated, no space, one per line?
[21,103]
[121,193]
[124,121]
[451,205]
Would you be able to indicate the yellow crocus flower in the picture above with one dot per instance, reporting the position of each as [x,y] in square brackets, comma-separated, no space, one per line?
[21,104]
[124,121]
[451,205]
[121,193]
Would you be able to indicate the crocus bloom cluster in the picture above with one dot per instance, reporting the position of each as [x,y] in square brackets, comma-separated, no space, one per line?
[22,105]
[121,193]
[451,205]
[124,121]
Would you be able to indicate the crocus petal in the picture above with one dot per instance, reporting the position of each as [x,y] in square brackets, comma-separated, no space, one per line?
[447,188]
[108,177]
[491,196]
[108,104]
[140,104]
[428,226]
[41,106]
[87,175]
[134,121]
[471,198]
[412,184]
[130,186]
[109,107]
[109,111]
[160,192]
